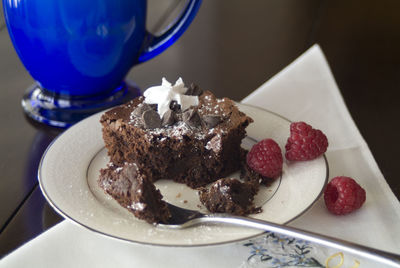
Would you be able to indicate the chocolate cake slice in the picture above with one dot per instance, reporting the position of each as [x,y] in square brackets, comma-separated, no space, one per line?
[190,136]
[135,192]
[229,195]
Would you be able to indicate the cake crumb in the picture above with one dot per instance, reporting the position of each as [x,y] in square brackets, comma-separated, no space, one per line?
[178,195]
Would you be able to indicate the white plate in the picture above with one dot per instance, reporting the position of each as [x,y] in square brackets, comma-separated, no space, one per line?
[70,167]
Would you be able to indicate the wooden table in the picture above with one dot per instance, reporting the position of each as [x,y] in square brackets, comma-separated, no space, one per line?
[231,48]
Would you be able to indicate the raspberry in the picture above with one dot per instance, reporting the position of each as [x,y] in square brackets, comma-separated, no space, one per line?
[305,143]
[343,195]
[265,158]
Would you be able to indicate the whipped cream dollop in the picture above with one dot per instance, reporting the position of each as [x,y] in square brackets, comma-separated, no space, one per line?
[165,93]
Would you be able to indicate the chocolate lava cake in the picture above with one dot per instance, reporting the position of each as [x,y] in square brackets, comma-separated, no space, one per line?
[196,145]
[172,132]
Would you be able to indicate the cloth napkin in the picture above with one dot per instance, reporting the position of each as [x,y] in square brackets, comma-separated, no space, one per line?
[303,91]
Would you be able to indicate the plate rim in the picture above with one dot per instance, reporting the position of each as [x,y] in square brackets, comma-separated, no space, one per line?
[85,226]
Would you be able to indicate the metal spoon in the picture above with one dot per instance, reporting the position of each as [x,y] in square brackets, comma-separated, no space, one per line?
[183,218]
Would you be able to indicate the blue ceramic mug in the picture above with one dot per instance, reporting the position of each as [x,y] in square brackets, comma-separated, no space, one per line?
[79,51]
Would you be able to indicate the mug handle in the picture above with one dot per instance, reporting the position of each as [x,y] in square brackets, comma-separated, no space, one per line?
[157,44]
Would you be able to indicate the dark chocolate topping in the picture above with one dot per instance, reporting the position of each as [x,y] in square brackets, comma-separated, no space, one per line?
[151,119]
[168,118]
[191,118]
[140,109]
[174,106]
[211,120]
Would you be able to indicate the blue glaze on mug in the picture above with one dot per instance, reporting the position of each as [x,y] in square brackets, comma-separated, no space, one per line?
[79,52]
[85,47]
[77,47]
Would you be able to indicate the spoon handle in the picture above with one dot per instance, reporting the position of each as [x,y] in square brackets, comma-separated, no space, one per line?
[352,248]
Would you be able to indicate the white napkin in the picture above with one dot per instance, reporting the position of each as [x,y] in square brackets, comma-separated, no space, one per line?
[304,91]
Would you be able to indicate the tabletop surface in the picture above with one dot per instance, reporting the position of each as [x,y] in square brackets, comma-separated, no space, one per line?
[231,48]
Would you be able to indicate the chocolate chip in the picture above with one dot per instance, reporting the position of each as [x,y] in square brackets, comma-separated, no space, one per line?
[191,118]
[174,106]
[178,116]
[186,115]
[151,119]
[141,108]
[194,90]
[168,118]
[211,120]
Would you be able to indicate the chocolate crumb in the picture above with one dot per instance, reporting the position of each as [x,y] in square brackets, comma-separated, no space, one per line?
[229,195]
[135,192]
